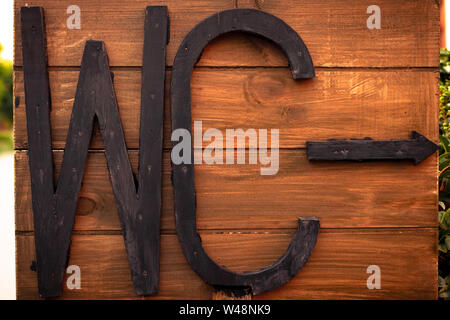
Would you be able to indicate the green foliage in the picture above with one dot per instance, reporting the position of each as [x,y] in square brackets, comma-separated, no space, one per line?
[6,104]
[444,177]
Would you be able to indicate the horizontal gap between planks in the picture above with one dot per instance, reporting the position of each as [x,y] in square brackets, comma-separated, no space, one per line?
[225,68]
[24,150]
[253,231]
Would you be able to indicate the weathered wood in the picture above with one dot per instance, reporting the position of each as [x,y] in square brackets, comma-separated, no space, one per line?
[54,211]
[417,149]
[336,270]
[189,52]
[341,194]
[335,32]
[52,226]
[221,294]
[146,217]
[341,104]
[242,216]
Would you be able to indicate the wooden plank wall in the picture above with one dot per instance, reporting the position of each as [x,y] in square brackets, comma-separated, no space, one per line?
[378,83]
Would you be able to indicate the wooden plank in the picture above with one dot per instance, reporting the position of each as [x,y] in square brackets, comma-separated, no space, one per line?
[334,31]
[339,104]
[372,194]
[119,25]
[53,219]
[336,269]
[105,272]
[222,295]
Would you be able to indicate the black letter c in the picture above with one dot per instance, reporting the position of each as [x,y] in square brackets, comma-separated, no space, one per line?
[302,245]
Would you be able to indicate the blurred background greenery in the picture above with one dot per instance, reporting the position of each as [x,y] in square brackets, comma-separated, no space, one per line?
[6,104]
[444,177]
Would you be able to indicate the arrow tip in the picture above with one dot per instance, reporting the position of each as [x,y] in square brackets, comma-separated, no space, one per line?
[425,147]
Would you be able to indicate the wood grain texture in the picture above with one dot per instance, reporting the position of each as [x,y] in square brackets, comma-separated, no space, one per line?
[336,269]
[339,104]
[370,83]
[221,295]
[334,31]
[372,194]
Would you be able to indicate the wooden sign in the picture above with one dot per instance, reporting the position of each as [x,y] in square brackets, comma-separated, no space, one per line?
[226,70]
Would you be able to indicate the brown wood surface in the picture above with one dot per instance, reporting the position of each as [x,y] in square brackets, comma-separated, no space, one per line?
[221,295]
[372,194]
[339,104]
[335,31]
[377,83]
[336,270]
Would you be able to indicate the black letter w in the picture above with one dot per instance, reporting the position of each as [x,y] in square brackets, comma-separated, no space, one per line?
[138,202]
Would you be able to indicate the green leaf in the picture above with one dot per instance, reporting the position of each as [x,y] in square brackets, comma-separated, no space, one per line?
[444,218]
[445,142]
[444,161]
[444,176]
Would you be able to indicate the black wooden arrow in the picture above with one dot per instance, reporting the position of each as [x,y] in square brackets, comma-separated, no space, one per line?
[417,149]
